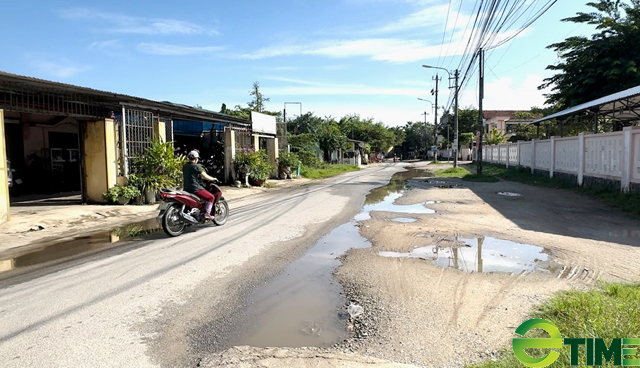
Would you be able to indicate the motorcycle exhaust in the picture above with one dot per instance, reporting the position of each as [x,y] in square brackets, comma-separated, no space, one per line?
[189,218]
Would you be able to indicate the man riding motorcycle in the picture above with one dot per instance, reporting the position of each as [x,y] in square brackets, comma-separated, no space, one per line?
[192,173]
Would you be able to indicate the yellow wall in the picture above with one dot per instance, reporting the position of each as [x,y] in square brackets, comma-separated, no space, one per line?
[100,159]
[4,176]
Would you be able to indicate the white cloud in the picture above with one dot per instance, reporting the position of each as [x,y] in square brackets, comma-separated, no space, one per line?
[164,49]
[504,94]
[62,68]
[120,23]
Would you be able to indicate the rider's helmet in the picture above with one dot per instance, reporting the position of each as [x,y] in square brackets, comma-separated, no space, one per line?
[193,154]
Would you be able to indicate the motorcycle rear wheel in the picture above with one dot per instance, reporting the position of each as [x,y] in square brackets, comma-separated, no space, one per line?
[221,213]
[172,222]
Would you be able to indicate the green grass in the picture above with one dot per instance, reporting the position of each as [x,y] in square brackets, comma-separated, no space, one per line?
[628,202]
[610,311]
[268,184]
[441,163]
[326,171]
[452,172]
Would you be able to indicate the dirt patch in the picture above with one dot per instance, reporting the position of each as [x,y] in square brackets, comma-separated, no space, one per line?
[422,314]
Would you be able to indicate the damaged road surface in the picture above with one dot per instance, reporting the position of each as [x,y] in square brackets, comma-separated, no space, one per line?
[170,301]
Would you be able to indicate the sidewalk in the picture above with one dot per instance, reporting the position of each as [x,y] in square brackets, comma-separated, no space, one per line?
[38,221]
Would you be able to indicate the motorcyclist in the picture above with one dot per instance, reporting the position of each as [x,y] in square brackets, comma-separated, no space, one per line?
[192,173]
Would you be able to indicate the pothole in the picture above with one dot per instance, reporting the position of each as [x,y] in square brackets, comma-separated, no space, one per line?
[483,254]
[62,250]
[303,306]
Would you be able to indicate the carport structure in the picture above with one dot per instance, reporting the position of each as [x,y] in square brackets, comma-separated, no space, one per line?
[85,136]
[619,110]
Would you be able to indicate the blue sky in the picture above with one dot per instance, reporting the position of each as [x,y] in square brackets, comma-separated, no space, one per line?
[336,57]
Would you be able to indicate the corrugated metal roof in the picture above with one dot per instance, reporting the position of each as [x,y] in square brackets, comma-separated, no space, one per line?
[121,98]
[605,104]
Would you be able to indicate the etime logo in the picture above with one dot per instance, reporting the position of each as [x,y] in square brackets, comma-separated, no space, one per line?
[597,351]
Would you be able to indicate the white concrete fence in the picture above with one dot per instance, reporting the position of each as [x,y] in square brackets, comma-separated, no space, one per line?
[609,156]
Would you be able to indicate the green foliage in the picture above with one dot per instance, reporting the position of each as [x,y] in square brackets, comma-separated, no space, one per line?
[452,172]
[330,138]
[303,142]
[610,311]
[288,159]
[495,137]
[309,159]
[242,158]
[305,124]
[260,168]
[466,139]
[159,167]
[257,99]
[116,192]
[590,68]
[326,170]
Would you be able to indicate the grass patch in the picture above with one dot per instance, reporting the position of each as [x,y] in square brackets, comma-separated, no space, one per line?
[440,163]
[610,311]
[628,202]
[326,171]
[452,172]
[268,184]
[481,178]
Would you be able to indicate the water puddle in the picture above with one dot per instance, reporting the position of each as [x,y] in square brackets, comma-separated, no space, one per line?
[443,184]
[404,220]
[484,254]
[62,250]
[303,306]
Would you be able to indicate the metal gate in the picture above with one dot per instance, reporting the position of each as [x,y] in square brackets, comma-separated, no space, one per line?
[138,129]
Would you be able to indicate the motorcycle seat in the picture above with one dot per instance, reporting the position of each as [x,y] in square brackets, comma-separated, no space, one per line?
[190,195]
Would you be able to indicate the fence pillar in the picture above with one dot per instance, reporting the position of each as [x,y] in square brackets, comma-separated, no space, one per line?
[533,156]
[552,162]
[580,159]
[160,130]
[519,154]
[256,143]
[229,154]
[627,156]
[508,154]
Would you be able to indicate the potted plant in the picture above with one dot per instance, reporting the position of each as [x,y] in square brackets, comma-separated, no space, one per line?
[260,169]
[121,195]
[242,162]
[286,161]
[159,167]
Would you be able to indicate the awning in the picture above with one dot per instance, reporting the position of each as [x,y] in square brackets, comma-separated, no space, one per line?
[623,106]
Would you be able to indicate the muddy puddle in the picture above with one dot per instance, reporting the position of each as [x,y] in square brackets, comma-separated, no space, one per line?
[484,254]
[304,306]
[67,249]
[405,220]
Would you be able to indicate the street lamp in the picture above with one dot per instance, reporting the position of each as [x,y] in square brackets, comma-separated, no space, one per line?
[455,124]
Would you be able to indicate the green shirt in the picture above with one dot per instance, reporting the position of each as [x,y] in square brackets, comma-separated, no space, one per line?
[191,177]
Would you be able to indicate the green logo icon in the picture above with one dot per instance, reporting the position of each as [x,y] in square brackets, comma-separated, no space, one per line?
[553,342]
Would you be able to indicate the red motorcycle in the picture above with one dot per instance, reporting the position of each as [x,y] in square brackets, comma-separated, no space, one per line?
[180,209]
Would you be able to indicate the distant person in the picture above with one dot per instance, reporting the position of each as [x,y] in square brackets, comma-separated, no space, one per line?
[192,174]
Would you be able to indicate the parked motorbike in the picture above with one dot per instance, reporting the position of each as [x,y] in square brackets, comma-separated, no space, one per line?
[15,183]
[180,209]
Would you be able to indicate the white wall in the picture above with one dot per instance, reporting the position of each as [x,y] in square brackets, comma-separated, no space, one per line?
[614,156]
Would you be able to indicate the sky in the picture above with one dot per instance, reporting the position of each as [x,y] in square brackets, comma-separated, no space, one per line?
[333,57]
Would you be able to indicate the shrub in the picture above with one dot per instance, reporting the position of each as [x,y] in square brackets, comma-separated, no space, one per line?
[114,193]
[288,159]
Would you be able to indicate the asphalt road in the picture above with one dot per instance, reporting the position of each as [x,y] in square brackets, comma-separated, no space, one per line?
[169,301]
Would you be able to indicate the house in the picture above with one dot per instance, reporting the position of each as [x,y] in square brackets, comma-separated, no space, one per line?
[503,120]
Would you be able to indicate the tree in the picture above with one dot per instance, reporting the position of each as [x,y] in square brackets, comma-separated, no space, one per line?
[467,120]
[590,68]
[307,123]
[330,138]
[258,100]
[495,137]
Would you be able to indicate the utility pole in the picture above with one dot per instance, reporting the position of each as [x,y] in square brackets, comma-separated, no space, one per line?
[435,123]
[426,137]
[455,127]
[480,114]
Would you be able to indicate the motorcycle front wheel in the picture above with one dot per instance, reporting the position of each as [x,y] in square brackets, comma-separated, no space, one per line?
[172,222]
[222,213]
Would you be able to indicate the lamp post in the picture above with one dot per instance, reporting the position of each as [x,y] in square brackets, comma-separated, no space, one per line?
[455,124]
[426,133]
